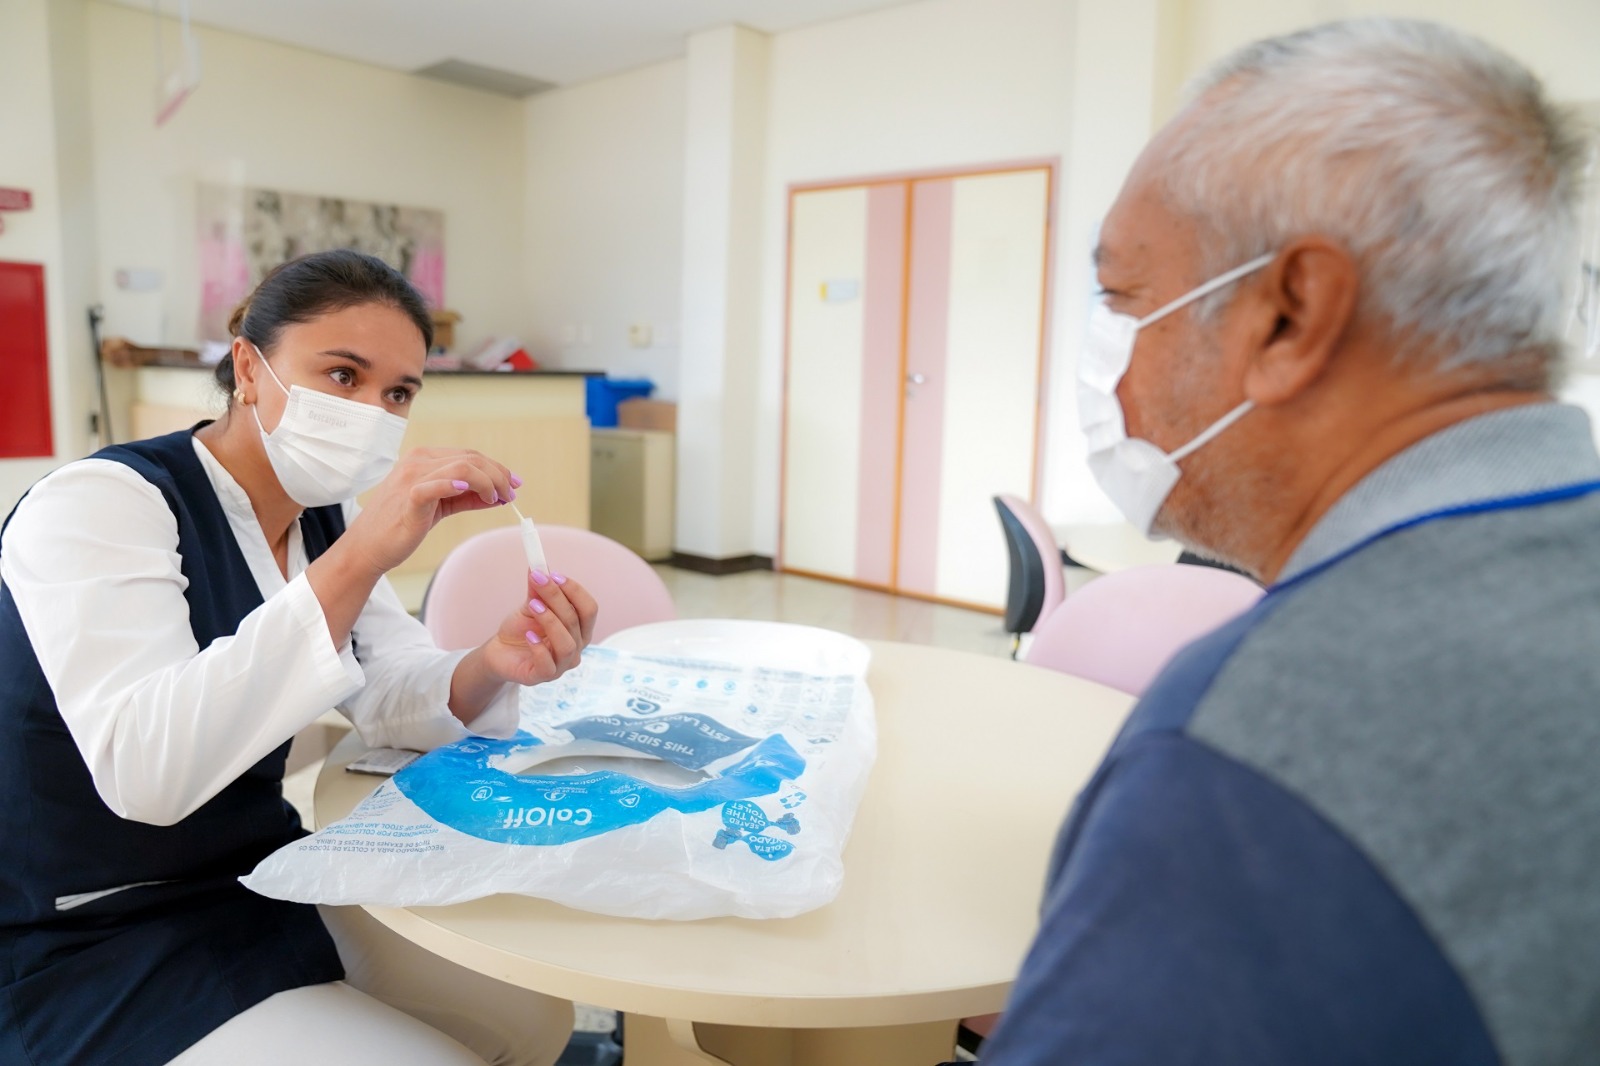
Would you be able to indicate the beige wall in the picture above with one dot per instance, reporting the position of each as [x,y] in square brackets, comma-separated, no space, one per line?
[938,84]
[568,209]
[286,118]
[604,223]
[44,148]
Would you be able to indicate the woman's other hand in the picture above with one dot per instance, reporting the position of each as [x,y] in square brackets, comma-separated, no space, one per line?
[538,642]
[545,637]
[425,486]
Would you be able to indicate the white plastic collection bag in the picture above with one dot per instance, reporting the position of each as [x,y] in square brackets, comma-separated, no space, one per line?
[660,785]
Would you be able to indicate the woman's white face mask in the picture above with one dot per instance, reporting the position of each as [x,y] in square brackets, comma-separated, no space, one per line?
[326,449]
[1137,475]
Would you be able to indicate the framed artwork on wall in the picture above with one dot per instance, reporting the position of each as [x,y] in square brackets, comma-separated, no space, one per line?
[245,232]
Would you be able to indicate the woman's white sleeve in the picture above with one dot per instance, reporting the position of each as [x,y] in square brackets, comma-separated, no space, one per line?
[91,559]
[406,701]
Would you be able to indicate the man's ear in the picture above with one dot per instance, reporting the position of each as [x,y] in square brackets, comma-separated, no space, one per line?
[1298,313]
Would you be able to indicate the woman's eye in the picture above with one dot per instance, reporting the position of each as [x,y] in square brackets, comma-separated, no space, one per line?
[342,375]
[400,397]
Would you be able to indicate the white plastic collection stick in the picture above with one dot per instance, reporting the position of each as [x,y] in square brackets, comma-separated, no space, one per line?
[531,544]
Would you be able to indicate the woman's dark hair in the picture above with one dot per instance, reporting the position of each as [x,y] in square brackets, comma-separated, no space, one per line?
[316,284]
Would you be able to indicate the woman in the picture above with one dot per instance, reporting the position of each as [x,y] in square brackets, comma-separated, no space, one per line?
[173,611]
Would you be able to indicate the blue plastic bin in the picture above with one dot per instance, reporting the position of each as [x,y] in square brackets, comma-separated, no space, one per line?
[605,393]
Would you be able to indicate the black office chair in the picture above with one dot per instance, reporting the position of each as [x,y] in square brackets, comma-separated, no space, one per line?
[1196,559]
[1035,580]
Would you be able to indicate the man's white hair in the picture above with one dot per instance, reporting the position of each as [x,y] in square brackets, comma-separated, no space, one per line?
[1434,158]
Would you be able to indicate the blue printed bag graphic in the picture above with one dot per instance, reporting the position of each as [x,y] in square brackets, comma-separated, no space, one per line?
[641,785]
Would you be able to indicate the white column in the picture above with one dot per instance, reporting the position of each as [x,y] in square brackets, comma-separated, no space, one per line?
[1114,87]
[725,153]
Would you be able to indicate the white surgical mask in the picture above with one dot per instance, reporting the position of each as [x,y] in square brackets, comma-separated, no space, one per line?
[326,449]
[1137,475]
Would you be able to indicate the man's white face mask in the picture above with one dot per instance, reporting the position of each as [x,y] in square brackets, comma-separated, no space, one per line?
[326,449]
[1137,475]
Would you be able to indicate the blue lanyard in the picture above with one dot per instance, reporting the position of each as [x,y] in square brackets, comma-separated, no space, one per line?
[1504,503]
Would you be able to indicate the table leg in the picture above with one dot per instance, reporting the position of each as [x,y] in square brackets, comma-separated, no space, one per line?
[886,1045]
[686,1040]
[663,1042]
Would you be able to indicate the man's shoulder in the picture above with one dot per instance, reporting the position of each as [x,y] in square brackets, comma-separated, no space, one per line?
[1441,636]
[1197,913]
[1432,698]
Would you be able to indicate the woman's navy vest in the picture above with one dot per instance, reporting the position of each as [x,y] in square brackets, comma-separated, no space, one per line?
[137,976]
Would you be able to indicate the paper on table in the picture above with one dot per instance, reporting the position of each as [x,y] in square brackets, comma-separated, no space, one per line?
[531,545]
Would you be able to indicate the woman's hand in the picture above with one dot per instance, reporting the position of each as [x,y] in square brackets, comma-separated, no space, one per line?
[538,642]
[546,637]
[425,486]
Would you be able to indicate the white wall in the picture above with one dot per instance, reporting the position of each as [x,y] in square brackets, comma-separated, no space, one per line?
[286,118]
[724,161]
[567,210]
[44,149]
[603,243]
[943,83]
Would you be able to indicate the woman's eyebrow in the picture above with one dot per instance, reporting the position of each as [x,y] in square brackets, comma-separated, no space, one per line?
[343,353]
[366,364]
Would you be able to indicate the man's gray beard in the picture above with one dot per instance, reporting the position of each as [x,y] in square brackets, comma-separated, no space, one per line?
[1219,534]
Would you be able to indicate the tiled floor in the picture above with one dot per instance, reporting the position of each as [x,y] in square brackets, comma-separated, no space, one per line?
[768,596]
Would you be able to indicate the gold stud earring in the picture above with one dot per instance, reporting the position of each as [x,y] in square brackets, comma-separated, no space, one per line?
[238,394]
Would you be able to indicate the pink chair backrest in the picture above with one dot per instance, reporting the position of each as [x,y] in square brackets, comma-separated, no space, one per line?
[485,578]
[1044,538]
[1121,629]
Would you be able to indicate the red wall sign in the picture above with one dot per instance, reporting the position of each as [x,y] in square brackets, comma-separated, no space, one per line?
[15,200]
[24,364]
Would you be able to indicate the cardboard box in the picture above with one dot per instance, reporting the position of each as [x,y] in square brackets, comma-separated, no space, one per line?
[444,328]
[648,414]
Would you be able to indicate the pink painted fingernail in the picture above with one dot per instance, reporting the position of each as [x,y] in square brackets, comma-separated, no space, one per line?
[539,578]
[496,499]
[558,579]
[533,638]
[460,486]
[516,482]
[536,607]
[513,493]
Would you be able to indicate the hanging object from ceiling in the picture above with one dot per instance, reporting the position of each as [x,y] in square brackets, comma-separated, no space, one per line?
[175,84]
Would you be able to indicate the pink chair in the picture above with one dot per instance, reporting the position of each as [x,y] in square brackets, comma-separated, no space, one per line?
[1036,585]
[485,578]
[1121,629]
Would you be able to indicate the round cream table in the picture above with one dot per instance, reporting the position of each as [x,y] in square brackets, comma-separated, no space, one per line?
[979,759]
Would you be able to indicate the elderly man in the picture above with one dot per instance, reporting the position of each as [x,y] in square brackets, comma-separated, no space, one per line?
[1361,823]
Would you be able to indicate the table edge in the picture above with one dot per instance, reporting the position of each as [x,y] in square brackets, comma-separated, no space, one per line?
[710,1006]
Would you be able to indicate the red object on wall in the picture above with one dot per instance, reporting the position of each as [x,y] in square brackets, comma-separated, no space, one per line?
[15,199]
[24,364]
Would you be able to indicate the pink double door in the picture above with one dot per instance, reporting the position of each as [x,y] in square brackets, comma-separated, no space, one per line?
[915,359]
